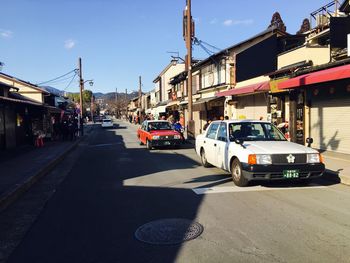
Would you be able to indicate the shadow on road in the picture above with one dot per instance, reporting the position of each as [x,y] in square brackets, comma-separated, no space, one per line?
[93,215]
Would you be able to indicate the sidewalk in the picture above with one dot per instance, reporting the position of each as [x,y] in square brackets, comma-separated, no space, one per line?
[337,167]
[22,168]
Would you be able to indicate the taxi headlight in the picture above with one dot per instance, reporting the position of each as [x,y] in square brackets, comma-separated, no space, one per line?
[263,159]
[177,136]
[313,158]
[155,137]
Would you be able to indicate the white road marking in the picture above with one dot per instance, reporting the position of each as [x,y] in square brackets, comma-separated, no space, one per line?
[236,189]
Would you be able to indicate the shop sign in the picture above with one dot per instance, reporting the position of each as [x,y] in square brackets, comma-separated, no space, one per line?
[216,104]
[273,85]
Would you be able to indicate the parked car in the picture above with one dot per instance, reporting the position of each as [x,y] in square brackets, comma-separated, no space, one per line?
[98,118]
[256,150]
[107,123]
[156,133]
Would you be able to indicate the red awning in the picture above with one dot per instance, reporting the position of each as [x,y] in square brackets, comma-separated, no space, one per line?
[341,72]
[261,86]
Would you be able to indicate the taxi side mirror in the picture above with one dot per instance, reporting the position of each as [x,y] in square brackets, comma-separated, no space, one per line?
[239,141]
[309,141]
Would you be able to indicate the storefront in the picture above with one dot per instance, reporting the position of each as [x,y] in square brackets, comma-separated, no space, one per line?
[19,120]
[319,108]
[249,102]
[329,116]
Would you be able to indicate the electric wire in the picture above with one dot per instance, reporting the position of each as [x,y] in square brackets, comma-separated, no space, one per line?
[59,81]
[214,47]
[49,81]
[70,81]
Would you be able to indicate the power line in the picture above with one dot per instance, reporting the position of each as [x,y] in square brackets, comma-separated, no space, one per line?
[70,81]
[45,82]
[58,81]
[201,43]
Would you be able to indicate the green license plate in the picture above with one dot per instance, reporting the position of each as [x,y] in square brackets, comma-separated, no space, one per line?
[166,143]
[291,174]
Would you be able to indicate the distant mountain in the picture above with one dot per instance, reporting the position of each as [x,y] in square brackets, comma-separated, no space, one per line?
[98,95]
[111,95]
[53,90]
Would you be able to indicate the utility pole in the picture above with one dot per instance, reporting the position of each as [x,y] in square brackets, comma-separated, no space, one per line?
[126,104]
[81,85]
[189,34]
[140,92]
[116,103]
[92,108]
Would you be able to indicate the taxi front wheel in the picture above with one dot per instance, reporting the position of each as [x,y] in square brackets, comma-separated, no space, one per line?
[149,145]
[236,172]
[204,159]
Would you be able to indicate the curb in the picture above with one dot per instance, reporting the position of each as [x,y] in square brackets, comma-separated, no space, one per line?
[13,194]
[345,180]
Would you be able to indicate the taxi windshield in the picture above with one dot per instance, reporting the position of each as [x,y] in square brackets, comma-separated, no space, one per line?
[162,125]
[255,131]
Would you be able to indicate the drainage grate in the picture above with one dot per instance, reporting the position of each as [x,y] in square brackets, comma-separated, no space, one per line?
[169,231]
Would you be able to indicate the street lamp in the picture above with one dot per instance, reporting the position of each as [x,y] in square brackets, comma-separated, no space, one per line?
[91,82]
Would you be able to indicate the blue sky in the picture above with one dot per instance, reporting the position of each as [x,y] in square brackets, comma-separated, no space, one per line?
[119,40]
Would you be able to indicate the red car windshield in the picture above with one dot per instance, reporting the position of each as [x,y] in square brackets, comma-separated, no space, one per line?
[156,126]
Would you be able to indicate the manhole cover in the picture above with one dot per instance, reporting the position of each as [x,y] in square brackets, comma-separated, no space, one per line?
[168,231]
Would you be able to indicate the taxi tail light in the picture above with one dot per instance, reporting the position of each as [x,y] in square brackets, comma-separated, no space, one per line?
[252,159]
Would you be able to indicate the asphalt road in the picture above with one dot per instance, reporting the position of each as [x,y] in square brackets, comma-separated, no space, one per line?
[115,185]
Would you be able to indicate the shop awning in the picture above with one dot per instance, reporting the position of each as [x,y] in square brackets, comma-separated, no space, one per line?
[172,103]
[337,73]
[52,109]
[160,109]
[203,100]
[163,103]
[261,86]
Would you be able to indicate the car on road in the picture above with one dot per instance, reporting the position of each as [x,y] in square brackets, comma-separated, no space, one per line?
[256,150]
[107,123]
[158,133]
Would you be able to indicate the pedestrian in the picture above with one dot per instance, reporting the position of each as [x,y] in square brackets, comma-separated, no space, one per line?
[71,130]
[65,131]
[178,127]
[182,120]
[207,124]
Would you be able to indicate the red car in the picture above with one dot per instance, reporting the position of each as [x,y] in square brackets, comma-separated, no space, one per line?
[158,133]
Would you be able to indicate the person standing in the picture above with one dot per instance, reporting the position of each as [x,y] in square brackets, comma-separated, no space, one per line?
[207,124]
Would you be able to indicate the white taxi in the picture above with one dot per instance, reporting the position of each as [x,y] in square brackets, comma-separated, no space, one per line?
[107,123]
[256,150]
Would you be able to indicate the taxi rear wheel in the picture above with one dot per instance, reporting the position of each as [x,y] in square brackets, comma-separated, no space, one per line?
[204,159]
[236,172]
